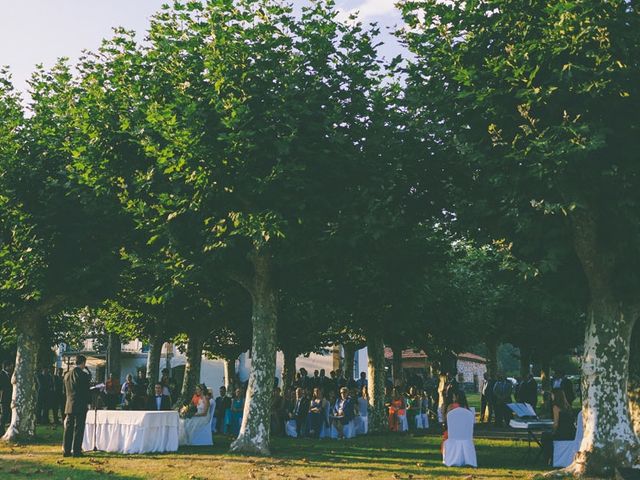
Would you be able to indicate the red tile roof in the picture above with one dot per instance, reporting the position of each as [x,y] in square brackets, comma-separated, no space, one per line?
[419,354]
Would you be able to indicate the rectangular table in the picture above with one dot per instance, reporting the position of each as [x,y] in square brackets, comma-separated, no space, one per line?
[127,431]
[535,429]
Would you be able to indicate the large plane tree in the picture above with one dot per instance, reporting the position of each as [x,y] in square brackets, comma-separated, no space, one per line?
[534,107]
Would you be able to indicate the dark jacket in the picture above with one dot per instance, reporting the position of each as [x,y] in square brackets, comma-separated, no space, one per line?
[301,409]
[165,403]
[76,385]
[6,388]
[222,404]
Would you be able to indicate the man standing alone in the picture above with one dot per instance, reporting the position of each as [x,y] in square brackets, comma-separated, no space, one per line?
[76,384]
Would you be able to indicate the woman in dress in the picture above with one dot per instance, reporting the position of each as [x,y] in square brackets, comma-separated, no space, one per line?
[397,409]
[458,400]
[564,427]
[413,407]
[237,407]
[317,416]
[188,426]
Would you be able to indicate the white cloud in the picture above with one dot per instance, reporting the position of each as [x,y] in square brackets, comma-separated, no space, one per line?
[375,8]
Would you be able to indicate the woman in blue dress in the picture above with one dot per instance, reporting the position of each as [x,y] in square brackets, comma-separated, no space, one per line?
[237,407]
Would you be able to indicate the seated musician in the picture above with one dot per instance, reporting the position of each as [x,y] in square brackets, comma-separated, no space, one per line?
[564,427]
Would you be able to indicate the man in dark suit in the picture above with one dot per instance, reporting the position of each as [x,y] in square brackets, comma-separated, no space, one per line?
[528,392]
[76,384]
[300,410]
[562,382]
[222,404]
[6,392]
[158,401]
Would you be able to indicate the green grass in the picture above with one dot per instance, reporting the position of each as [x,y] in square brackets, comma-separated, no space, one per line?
[371,457]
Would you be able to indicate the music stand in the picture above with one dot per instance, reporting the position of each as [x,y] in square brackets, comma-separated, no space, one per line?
[95,393]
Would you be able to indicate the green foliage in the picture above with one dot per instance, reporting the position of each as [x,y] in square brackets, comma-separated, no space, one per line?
[532,106]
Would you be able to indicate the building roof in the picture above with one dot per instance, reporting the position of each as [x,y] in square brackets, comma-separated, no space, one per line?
[411,354]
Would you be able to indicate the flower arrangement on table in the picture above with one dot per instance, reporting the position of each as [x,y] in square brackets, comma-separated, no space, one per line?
[187,411]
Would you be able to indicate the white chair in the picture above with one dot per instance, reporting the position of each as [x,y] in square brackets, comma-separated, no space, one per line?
[422,421]
[332,432]
[361,424]
[291,429]
[204,436]
[458,449]
[403,424]
[565,450]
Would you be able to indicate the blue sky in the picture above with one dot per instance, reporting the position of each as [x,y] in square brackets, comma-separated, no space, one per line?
[40,31]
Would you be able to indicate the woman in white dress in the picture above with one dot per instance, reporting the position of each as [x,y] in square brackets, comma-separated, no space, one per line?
[189,426]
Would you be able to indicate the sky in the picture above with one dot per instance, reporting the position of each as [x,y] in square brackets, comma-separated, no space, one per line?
[41,31]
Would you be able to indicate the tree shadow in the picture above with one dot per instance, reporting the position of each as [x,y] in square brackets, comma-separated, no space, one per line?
[21,468]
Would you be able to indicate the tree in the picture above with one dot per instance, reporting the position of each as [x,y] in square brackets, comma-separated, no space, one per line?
[238,124]
[531,107]
[59,238]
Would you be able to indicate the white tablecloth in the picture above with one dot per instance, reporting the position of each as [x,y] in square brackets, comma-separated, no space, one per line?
[126,431]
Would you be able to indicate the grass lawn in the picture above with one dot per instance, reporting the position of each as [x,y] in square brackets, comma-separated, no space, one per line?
[385,457]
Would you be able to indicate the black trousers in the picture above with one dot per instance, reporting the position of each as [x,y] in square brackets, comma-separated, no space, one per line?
[5,416]
[486,405]
[74,432]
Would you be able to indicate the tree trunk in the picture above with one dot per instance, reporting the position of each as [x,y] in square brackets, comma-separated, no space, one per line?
[398,373]
[349,359]
[609,441]
[378,420]
[492,357]
[153,361]
[289,367]
[114,356]
[634,378]
[23,401]
[256,418]
[442,387]
[545,385]
[525,361]
[229,373]
[192,367]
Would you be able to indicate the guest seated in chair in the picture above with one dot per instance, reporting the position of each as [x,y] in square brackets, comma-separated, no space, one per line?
[563,423]
[342,412]
[300,410]
[413,401]
[397,409]
[317,413]
[158,402]
[458,400]
[189,426]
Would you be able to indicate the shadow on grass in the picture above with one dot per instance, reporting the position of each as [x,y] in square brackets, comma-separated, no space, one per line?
[388,454]
[20,468]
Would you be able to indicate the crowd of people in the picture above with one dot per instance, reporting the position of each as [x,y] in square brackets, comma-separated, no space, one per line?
[314,404]
[497,392]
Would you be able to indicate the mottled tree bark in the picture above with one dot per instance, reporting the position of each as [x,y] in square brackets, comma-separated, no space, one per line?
[114,356]
[153,360]
[609,441]
[256,418]
[192,367]
[398,372]
[23,401]
[634,378]
[349,358]
[492,357]
[442,387]
[289,367]
[525,361]
[229,373]
[378,419]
